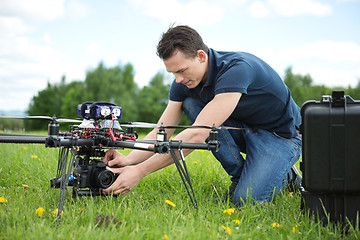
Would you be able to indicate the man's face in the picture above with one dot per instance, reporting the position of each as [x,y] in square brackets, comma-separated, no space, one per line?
[188,71]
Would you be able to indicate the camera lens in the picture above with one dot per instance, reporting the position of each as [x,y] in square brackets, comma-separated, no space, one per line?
[106,178]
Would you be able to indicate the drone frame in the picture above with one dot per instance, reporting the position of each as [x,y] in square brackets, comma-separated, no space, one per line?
[71,147]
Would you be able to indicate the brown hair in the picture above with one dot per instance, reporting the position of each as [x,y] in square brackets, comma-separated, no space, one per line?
[182,38]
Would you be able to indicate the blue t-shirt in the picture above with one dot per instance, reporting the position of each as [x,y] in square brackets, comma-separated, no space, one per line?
[266,101]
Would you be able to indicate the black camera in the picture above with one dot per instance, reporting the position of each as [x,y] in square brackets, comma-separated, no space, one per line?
[89,177]
[93,175]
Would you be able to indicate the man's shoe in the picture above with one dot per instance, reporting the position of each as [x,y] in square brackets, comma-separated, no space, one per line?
[229,193]
[295,182]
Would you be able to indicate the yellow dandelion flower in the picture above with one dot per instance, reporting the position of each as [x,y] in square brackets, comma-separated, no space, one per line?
[166,237]
[56,211]
[229,211]
[195,162]
[40,211]
[294,230]
[275,225]
[3,200]
[290,195]
[201,151]
[236,221]
[227,229]
[34,156]
[170,203]
[25,186]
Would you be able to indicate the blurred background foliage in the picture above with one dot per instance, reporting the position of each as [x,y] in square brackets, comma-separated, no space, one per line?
[116,85]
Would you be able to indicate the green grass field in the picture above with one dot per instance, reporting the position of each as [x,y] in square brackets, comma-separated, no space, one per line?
[143,213]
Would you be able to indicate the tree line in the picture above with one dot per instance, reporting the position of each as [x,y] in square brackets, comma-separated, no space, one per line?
[116,85]
[103,84]
[302,88]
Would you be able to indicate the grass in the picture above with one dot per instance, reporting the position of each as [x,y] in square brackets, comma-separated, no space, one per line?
[143,213]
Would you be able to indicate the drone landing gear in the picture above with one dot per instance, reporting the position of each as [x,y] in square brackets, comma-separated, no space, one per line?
[88,193]
[89,174]
[184,174]
[65,175]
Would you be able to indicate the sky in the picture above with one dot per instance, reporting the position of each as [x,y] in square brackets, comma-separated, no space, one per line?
[43,40]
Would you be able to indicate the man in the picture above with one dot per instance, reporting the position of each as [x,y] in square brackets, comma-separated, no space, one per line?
[233,89]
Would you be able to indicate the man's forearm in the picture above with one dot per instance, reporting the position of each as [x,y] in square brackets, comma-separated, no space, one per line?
[159,161]
[138,156]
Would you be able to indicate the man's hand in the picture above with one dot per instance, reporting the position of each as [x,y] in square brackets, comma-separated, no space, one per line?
[128,178]
[115,159]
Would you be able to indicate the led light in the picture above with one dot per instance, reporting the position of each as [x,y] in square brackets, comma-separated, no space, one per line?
[116,111]
[98,111]
[105,111]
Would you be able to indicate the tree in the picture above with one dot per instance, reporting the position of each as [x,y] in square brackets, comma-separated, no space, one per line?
[114,85]
[12,124]
[152,99]
[354,92]
[125,93]
[117,85]
[301,87]
[47,102]
[75,95]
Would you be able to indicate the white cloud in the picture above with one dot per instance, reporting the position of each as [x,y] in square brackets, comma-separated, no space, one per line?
[328,62]
[29,57]
[331,77]
[258,9]
[47,38]
[300,7]
[92,48]
[196,12]
[349,1]
[326,51]
[19,14]
[28,62]
[34,10]
[12,26]
[146,68]
[77,10]
[289,8]
[235,2]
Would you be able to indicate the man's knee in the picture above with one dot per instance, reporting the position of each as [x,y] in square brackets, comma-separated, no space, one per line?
[252,195]
[192,107]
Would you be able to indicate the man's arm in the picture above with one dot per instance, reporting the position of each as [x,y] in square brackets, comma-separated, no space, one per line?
[215,112]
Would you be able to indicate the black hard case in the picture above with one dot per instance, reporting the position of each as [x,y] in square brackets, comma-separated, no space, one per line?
[331,145]
[338,208]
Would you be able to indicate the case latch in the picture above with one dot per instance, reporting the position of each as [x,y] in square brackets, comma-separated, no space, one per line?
[338,99]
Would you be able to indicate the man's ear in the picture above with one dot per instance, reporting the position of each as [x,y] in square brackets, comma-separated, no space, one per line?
[202,56]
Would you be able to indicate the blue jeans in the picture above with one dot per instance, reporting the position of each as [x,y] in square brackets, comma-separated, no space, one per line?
[269,157]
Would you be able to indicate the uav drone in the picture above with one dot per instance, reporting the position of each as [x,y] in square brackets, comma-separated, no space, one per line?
[81,148]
